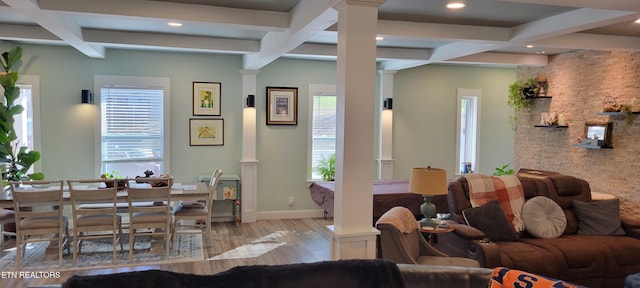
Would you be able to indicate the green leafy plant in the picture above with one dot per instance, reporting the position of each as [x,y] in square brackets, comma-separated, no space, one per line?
[327,167]
[503,170]
[17,159]
[113,175]
[519,93]
[627,110]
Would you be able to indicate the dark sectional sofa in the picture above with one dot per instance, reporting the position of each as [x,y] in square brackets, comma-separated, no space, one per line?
[589,260]
[342,273]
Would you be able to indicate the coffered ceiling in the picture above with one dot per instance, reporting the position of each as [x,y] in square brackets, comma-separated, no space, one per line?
[416,32]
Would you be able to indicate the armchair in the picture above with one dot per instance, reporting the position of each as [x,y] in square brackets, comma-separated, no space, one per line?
[402,242]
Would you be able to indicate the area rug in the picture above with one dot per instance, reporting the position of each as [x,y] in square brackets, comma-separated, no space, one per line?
[97,254]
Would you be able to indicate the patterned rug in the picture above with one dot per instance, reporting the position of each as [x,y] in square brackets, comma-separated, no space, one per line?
[97,254]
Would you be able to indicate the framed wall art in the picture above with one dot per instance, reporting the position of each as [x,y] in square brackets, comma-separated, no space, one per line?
[206,98]
[206,132]
[282,106]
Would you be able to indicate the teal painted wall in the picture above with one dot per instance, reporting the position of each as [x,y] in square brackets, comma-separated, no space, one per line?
[424,112]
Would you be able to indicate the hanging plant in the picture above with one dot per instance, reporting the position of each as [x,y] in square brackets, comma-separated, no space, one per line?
[520,93]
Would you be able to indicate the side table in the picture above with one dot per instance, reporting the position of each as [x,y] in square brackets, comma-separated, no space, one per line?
[432,231]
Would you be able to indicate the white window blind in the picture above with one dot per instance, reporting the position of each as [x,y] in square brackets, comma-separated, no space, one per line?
[323,130]
[132,129]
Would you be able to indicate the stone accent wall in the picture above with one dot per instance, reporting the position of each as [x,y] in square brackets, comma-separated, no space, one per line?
[579,82]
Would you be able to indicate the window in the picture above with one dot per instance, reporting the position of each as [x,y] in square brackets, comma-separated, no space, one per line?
[322,122]
[27,123]
[468,127]
[133,124]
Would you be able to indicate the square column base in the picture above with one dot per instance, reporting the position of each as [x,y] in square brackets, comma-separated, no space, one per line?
[360,245]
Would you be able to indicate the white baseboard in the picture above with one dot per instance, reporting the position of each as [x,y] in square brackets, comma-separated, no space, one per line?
[290,214]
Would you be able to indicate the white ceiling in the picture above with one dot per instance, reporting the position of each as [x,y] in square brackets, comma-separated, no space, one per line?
[416,32]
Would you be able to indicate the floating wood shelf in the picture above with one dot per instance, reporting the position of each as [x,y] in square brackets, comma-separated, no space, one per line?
[551,126]
[614,113]
[591,146]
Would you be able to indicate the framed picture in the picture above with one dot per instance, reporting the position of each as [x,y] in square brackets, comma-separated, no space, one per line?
[282,106]
[206,132]
[206,98]
[600,132]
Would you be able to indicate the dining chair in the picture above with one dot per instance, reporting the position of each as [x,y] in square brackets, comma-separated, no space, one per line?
[154,220]
[6,217]
[39,215]
[196,211]
[95,212]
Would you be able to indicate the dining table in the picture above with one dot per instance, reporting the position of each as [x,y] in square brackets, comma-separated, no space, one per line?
[179,192]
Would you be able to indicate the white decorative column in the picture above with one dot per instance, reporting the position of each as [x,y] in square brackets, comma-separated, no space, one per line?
[352,235]
[385,160]
[249,163]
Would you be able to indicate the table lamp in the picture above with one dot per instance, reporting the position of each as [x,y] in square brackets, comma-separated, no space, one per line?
[428,182]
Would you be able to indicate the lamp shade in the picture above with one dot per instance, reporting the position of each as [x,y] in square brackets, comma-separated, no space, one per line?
[428,181]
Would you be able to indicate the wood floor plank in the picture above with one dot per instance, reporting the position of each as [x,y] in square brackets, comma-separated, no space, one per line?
[297,241]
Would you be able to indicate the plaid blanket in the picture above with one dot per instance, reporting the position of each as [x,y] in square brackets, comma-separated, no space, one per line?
[507,189]
[401,218]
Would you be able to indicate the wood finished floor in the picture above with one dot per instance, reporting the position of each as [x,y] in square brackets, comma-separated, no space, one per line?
[307,240]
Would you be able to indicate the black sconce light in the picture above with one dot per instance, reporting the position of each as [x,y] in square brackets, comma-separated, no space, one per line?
[388,103]
[87,97]
[251,101]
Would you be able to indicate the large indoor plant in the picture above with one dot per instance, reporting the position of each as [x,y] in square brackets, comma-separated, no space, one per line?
[520,93]
[16,159]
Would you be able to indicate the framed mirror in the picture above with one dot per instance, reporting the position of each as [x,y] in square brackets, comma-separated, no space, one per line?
[600,131]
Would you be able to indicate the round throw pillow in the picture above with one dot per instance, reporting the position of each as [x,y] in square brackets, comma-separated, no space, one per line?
[543,218]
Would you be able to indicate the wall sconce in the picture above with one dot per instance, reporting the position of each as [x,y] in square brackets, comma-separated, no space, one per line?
[387,103]
[87,97]
[251,101]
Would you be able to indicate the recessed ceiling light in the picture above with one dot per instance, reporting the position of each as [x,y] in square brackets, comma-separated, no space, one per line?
[638,21]
[530,46]
[175,24]
[378,38]
[541,52]
[456,5]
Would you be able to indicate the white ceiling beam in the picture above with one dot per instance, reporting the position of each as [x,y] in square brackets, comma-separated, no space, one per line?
[586,41]
[307,18]
[623,5]
[382,53]
[142,39]
[569,22]
[240,18]
[65,30]
[442,53]
[503,58]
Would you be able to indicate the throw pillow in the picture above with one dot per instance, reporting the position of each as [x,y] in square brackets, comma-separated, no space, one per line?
[490,219]
[543,218]
[503,277]
[600,217]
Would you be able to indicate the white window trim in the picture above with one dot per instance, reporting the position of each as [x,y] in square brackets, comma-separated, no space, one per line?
[34,81]
[164,82]
[463,93]
[315,90]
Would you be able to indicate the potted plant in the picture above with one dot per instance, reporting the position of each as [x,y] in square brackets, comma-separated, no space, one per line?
[327,167]
[503,170]
[114,175]
[520,93]
[17,159]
